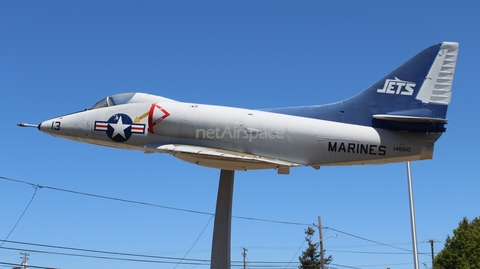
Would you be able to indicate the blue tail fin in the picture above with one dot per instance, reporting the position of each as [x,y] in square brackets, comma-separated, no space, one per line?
[414,97]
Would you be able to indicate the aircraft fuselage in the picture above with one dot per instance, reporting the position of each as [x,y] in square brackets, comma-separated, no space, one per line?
[299,140]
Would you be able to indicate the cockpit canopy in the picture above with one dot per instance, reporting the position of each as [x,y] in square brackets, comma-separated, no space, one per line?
[131,97]
[113,100]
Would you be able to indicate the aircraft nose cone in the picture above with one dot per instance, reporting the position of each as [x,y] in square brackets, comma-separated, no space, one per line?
[42,126]
[72,126]
[49,126]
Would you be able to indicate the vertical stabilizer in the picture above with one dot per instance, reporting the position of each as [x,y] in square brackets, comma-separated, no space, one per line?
[413,97]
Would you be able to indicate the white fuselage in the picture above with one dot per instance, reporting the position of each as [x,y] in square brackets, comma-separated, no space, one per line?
[300,140]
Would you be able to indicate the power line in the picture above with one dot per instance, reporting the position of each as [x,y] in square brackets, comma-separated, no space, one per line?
[94,251]
[106,197]
[21,216]
[144,203]
[370,252]
[272,221]
[199,262]
[296,253]
[369,240]
[156,258]
[193,261]
[8,264]
[189,210]
[194,243]
[183,261]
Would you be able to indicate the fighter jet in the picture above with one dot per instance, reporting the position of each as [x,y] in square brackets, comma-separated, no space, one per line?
[398,118]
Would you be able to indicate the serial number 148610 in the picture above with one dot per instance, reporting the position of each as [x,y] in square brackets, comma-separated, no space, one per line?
[404,149]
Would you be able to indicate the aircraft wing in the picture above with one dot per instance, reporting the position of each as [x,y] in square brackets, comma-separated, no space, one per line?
[212,157]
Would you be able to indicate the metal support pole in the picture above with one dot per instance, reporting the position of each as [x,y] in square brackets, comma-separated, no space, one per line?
[412,218]
[320,232]
[220,258]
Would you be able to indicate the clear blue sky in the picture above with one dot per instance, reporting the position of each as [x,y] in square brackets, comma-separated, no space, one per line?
[58,57]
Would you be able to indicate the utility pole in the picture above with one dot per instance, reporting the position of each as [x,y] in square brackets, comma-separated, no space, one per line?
[431,241]
[24,260]
[244,254]
[322,259]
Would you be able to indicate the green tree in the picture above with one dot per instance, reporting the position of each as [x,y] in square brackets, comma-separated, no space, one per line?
[310,258]
[462,250]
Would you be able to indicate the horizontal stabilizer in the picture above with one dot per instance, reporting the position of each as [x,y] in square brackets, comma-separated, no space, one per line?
[408,118]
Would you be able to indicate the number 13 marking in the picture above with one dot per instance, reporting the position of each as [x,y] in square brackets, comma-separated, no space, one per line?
[56,125]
